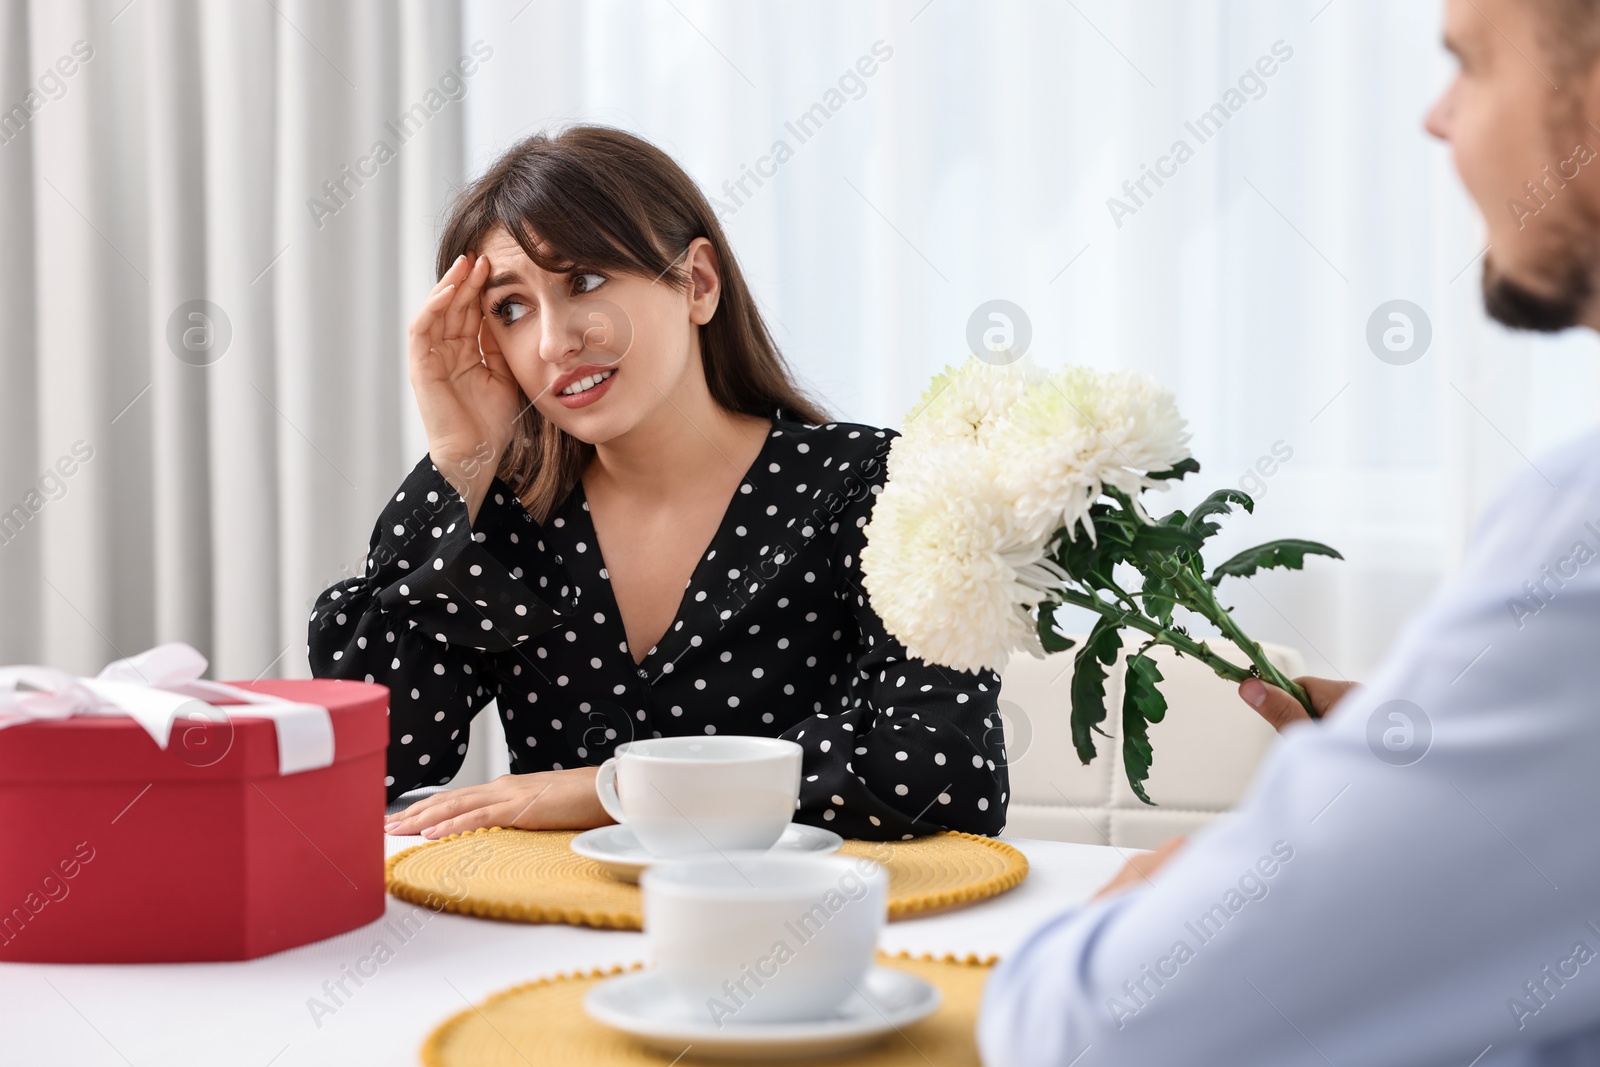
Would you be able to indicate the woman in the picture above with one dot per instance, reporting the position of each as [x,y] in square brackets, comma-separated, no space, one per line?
[632,523]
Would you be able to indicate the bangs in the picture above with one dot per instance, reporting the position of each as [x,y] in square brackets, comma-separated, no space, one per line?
[568,216]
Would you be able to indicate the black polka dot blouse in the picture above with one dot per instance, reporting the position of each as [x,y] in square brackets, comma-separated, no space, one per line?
[774,636]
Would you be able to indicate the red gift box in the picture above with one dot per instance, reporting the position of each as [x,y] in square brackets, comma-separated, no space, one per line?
[115,850]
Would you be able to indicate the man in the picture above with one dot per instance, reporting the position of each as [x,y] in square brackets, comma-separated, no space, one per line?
[1415,880]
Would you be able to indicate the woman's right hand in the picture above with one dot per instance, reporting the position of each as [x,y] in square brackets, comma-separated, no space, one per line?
[1280,709]
[466,393]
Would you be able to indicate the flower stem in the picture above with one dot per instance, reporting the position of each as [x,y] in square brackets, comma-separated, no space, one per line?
[1202,591]
[1182,642]
[1205,603]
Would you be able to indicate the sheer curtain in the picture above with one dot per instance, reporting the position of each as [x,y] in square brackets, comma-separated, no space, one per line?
[883,170]
[204,388]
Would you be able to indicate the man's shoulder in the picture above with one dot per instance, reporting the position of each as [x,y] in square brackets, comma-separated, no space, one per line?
[1556,486]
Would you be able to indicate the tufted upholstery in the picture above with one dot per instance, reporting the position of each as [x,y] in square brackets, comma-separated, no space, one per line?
[1206,751]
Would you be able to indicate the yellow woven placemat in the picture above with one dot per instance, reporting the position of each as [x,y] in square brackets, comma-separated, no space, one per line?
[543,1022]
[534,876]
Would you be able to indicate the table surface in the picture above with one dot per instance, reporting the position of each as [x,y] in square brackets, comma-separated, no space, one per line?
[259,1013]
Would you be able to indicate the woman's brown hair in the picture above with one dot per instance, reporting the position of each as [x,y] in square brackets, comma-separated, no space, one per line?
[593,197]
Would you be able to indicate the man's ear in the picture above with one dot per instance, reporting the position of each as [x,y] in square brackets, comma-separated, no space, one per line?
[705,280]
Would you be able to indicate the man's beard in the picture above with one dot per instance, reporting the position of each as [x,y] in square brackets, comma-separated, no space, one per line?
[1570,267]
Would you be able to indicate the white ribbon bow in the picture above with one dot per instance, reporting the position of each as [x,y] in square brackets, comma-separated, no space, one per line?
[156,686]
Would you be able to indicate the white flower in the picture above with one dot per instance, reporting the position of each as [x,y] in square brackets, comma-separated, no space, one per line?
[1066,440]
[947,571]
[993,464]
[965,403]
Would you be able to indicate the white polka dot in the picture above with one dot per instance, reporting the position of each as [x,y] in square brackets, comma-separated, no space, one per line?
[983,803]
[901,790]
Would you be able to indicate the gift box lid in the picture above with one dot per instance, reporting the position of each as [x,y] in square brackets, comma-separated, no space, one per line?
[116,748]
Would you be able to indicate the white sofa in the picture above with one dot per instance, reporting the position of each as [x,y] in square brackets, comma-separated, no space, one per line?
[1206,750]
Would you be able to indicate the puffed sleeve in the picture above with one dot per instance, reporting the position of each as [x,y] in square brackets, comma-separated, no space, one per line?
[436,594]
[920,748]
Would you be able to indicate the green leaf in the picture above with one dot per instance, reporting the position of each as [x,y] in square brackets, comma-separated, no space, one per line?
[1048,637]
[1159,598]
[1092,563]
[1089,685]
[1185,466]
[1163,550]
[1149,538]
[1290,553]
[1142,704]
[1219,503]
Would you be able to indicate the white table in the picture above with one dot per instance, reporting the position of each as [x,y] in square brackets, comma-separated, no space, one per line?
[259,1013]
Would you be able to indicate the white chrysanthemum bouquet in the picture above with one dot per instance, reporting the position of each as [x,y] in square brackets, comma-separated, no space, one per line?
[1011,491]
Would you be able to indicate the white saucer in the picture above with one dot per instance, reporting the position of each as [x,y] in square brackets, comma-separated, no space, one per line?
[885,1000]
[616,849]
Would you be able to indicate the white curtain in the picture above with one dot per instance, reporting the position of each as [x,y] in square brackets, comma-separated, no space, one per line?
[234,460]
[940,154]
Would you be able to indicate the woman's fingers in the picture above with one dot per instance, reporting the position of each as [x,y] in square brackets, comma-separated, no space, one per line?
[453,275]
[426,320]
[476,819]
[465,301]
[425,332]
[431,809]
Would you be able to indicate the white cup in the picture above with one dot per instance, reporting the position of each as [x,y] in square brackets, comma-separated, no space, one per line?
[687,796]
[749,937]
